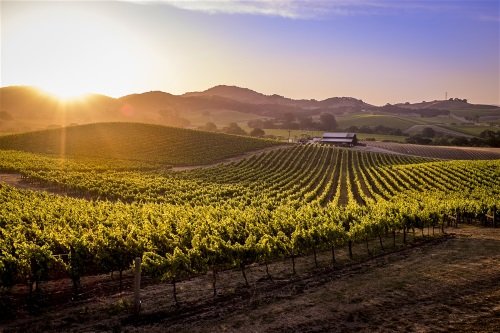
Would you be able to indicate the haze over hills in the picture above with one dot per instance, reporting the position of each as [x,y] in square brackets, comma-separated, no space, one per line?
[25,108]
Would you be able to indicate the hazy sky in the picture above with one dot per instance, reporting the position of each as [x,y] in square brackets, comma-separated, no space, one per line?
[380,51]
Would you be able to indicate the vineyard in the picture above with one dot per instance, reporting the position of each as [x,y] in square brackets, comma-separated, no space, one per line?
[299,175]
[138,142]
[282,203]
[440,152]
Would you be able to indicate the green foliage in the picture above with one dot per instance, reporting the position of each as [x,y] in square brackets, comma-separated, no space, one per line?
[281,203]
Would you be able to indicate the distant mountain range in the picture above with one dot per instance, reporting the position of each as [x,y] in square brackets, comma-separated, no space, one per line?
[25,108]
[245,95]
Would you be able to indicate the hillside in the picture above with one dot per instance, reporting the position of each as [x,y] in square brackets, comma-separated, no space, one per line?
[455,104]
[132,141]
[25,109]
[440,152]
[157,101]
[246,95]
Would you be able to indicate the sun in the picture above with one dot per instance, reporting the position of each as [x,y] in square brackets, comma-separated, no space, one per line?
[66,93]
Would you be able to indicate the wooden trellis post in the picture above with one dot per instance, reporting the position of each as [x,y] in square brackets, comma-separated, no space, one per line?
[494,217]
[137,285]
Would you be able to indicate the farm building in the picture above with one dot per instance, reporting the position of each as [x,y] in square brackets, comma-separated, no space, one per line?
[340,139]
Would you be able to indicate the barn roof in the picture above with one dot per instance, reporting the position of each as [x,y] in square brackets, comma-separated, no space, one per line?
[328,135]
[337,140]
[341,137]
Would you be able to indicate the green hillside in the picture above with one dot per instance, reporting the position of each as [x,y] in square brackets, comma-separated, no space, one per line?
[373,120]
[133,141]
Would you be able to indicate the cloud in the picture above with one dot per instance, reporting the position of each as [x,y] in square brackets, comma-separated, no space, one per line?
[306,9]
[282,8]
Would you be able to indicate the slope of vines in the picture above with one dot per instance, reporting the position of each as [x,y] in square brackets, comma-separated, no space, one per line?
[44,235]
[303,174]
[130,141]
[282,203]
[452,153]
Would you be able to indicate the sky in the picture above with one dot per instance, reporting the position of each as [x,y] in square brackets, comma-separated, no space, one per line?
[381,51]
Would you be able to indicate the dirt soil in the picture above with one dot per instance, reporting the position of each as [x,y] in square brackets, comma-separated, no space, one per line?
[13,179]
[438,285]
[16,180]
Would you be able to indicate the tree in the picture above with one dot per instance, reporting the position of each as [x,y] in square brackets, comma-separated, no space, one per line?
[327,121]
[429,132]
[460,141]
[418,139]
[305,122]
[233,128]
[257,132]
[210,127]
[288,118]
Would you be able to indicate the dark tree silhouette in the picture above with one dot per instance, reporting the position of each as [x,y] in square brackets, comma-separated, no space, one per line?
[257,132]
[328,122]
[233,128]
[428,132]
[210,126]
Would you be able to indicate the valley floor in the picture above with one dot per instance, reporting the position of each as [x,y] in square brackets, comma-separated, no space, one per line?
[441,285]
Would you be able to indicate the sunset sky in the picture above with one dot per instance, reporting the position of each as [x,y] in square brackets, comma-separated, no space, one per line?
[380,51]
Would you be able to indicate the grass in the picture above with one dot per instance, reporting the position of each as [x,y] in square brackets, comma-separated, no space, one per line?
[479,113]
[436,120]
[220,118]
[373,120]
[472,129]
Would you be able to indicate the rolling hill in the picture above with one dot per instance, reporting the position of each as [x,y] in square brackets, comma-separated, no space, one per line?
[245,95]
[451,104]
[25,109]
[134,141]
